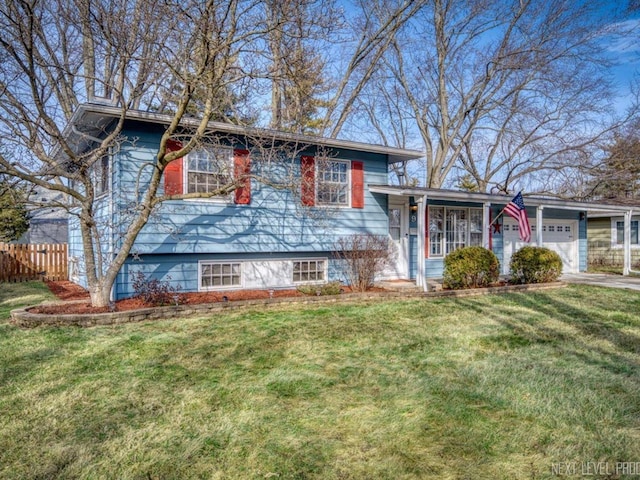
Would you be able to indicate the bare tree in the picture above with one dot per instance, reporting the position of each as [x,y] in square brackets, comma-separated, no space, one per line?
[504,89]
[297,31]
[364,256]
[129,53]
[370,34]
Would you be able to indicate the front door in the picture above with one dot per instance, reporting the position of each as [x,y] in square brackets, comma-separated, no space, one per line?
[399,237]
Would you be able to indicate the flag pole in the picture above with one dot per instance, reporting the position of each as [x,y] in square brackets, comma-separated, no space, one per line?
[497,217]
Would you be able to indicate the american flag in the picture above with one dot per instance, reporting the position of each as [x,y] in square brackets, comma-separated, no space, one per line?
[515,208]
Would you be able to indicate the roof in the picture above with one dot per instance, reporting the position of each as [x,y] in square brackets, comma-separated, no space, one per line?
[94,118]
[531,201]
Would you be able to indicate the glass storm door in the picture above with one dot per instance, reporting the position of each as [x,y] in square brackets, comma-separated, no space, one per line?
[399,237]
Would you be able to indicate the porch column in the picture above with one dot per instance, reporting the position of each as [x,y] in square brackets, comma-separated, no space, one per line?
[627,243]
[486,227]
[539,238]
[421,281]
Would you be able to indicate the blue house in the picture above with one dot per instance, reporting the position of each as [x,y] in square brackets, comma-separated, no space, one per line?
[279,228]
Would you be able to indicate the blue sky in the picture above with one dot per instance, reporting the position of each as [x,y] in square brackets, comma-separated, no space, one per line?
[625,52]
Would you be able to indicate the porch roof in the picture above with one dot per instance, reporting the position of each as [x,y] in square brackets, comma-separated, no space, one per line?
[455,195]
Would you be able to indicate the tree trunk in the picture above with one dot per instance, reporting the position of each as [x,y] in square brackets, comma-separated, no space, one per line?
[100,296]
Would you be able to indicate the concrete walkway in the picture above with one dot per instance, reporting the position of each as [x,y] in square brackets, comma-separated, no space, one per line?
[602,280]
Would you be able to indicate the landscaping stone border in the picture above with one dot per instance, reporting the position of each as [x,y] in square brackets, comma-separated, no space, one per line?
[23,318]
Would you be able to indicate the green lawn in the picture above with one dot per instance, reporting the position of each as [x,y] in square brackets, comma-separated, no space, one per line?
[519,386]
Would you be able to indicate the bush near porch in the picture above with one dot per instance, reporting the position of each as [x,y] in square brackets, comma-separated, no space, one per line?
[535,265]
[470,267]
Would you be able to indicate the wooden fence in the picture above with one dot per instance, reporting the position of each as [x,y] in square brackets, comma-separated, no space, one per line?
[21,263]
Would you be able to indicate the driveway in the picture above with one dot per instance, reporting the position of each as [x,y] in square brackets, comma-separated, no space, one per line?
[603,280]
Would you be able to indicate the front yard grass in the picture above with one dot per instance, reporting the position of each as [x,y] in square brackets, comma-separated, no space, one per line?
[516,386]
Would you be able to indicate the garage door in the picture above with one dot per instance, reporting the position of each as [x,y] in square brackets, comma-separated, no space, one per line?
[560,236]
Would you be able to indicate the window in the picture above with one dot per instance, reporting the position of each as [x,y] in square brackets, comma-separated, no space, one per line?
[475,229]
[219,275]
[395,222]
[453,228]
[309,271]
[436,230]
[99,172]
[209,169]
[333,182]
[620,232]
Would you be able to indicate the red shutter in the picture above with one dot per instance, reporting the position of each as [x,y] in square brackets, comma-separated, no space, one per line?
[308,181]
[357,184]
[241,171]
[173,179]
[426,232]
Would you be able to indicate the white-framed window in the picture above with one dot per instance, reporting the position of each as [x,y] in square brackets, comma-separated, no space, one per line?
[216,275]
[100,175]
[310,270]
[436,230]
[453,228]
[333,182]
[617,234]
[208,169]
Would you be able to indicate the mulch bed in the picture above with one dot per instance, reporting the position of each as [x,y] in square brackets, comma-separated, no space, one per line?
[66,290]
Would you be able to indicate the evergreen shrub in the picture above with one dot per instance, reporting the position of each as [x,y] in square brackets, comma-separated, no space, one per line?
[535,265]
[470,267]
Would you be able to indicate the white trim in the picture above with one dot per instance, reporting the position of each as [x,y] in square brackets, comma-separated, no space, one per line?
[421,280]
[486,224]
[539,221]
[441,194]
[201,263]
[443,242]
[614,233]
[403,260]
[217,199]
[509,224]
[317,162]
[325,270]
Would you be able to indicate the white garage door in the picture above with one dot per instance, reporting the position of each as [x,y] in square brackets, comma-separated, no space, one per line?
[560,236]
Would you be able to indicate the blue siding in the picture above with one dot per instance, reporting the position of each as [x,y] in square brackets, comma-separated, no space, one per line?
[273,222]
[181,270]
[105,239]
[274,225]
[434,267]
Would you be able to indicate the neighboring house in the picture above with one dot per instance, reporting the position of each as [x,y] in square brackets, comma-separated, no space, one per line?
[47,222]
[605,235]
[263,236]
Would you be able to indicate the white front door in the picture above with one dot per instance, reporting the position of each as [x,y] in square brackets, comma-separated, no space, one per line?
[561,236]
[399,237]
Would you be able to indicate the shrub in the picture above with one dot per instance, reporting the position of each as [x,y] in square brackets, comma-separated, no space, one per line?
[470,267]
[331,288]
[364,257]
[535,265]
[155,292]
